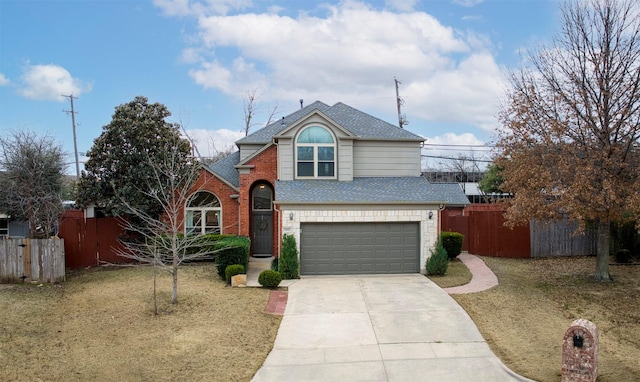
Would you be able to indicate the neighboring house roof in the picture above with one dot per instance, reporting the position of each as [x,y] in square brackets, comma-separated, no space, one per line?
[225,169]
[369,190]
[361,125]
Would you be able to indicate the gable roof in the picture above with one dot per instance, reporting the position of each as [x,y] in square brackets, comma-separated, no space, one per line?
[359,124]
[387,190]
[225,170]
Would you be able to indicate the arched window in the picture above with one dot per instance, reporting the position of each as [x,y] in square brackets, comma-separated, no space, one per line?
[315,153]
[203,214]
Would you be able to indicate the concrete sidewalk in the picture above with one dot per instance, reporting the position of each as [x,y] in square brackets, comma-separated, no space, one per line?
[378,328]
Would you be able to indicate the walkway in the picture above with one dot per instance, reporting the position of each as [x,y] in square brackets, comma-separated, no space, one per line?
[482,278]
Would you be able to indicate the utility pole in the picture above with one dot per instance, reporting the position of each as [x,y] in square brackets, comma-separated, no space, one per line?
[73,123]
[402,120]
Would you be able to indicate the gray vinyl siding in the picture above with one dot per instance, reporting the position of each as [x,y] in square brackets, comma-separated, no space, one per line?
[248,150]
[345,160]
[285,159]
[380,158]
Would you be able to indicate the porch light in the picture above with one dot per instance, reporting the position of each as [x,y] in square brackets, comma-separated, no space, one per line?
[430,215]
[290,215]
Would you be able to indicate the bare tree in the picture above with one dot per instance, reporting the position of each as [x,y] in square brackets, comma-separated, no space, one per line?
[160,240]
[572,123]
[31,180]
[250,108]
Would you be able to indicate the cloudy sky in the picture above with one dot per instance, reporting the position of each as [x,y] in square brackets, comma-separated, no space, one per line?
[202,57]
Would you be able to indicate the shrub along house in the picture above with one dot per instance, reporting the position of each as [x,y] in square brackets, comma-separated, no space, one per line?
[347,185]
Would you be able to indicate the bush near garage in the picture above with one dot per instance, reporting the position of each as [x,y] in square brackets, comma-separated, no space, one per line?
[269,278]
[288,261]
[452,243]
[438,262]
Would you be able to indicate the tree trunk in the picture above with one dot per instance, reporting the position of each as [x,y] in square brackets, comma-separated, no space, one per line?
[174,291]
[602,259]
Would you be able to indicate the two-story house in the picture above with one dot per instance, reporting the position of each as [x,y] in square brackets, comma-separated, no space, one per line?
[346,184]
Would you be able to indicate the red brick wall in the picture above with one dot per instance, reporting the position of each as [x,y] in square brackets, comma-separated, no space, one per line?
[266,169]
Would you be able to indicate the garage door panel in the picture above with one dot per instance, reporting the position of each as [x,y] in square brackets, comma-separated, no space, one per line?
[359,248]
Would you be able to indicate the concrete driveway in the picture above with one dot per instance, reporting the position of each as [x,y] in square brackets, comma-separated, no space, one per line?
[378,328]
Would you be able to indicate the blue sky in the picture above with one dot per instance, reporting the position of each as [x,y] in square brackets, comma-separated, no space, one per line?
[201,59]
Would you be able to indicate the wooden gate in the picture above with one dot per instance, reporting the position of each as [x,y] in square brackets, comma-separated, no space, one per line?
[92,241]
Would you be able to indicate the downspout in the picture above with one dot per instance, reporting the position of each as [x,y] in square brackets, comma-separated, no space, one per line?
[279,213]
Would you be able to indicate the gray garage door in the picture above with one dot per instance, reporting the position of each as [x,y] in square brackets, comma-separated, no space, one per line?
[359,248]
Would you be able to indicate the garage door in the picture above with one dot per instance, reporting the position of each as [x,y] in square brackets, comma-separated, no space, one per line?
[359,248]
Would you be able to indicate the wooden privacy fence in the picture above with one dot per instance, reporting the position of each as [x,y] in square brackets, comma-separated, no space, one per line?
[90,242]
[40,260]
[485,234]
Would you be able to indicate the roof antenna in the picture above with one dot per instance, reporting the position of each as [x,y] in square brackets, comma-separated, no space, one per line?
[301,103]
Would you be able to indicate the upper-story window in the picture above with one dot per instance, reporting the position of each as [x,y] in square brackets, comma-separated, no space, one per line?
[203,214]
[315,153]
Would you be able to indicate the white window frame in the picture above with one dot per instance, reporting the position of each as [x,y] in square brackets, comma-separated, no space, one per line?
[201,228]
[316,161]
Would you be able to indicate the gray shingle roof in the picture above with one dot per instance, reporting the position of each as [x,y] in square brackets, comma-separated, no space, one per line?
[266,134]
[225,169]
[361,125]
[369,190]
[366,126]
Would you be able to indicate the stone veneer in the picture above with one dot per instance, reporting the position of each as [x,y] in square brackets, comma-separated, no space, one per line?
[428,227]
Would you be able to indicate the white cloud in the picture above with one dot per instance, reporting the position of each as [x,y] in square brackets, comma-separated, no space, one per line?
[49,82]
[447,74]
[211,142]
[4,81]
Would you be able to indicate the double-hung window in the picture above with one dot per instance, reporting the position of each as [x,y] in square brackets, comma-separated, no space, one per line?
[315,153]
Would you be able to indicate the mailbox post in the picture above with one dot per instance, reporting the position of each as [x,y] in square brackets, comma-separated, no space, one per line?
[580,352]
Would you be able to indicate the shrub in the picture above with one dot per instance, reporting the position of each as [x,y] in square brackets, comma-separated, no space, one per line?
[289,263]
[206,244]
[452,243]
[438,262]
[232,250]
[623,256]
[274,264]
[269,278]
[232,270]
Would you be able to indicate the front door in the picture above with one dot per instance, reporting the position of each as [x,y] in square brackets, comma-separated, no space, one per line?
[262,220]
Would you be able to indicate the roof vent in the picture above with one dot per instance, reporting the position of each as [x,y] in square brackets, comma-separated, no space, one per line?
[282,122]
[301,103]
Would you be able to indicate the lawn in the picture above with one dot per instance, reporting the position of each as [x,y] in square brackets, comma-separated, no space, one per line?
[99,326]
[525,317]
[457,274]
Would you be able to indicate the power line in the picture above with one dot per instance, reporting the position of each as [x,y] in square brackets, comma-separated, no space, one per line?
[458,145]
[450,158]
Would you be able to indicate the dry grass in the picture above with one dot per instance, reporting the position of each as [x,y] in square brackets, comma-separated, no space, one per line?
[525,317]
[99,326]
[457,274]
